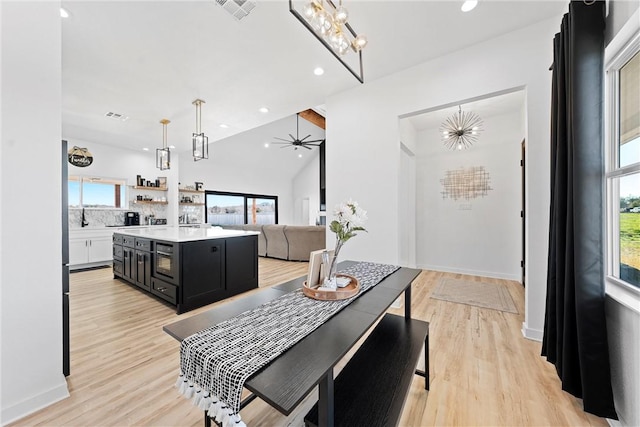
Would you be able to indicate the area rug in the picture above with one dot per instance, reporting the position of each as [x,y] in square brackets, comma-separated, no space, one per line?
[480,294]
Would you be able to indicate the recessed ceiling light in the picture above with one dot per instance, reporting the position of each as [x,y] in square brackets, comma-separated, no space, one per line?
[300,155]
[266,145]
[145,149]
[64,13]
[223,126]
[263,110]
[469,5]
[173,147]
[318,71]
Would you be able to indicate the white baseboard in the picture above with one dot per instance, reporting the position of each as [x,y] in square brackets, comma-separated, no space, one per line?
[490,274]
[532,334]
[35,403]
[90,265]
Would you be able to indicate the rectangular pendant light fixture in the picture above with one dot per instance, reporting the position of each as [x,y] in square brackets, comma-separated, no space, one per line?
[199,140]
[163,155]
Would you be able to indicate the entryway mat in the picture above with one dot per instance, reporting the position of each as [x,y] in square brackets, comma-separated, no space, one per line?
[480,294]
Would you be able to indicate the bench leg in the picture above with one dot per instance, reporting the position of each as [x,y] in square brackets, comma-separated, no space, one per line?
[425,373]
[407,302]
[326,401]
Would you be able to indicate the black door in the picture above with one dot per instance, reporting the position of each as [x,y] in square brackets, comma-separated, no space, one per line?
[143,269]
[203,274]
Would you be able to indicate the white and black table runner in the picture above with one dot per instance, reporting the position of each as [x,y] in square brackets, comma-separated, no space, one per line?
[216,362]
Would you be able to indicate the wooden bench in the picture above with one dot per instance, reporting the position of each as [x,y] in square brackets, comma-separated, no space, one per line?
[372,388]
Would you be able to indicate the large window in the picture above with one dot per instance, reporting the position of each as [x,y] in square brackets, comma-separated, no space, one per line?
[224,208]
[92,192]
[623,165]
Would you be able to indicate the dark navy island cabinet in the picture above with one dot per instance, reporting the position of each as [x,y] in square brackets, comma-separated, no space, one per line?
[187,274]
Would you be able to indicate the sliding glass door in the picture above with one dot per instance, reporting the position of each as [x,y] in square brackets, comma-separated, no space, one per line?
[224,208]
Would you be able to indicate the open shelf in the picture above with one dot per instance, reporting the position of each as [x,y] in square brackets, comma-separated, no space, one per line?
[184,190]
[191,204]
[149,202]
[135,187]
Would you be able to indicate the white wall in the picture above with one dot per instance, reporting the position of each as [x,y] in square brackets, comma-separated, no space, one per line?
[31,276]
[622,304]
[619,13]
[114,162]
[227,169]
[480,236]
[306,186]
[407,195]
[363,155]
[407,207]
[623,329]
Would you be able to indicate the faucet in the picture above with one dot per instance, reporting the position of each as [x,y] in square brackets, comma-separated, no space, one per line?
[84,220]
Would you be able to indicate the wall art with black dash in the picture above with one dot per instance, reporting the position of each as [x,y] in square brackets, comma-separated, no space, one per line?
[465,183]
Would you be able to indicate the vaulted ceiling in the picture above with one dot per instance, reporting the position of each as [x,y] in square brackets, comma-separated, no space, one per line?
[149,60]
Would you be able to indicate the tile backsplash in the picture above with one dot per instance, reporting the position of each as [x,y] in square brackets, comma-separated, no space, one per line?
[191,215]
[104,217]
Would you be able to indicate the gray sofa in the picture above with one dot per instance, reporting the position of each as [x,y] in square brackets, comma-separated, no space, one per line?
[288,242]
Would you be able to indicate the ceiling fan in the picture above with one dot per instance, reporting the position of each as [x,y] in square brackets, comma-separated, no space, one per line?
[297,142]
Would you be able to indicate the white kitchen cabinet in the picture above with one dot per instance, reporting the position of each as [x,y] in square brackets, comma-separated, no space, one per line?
[78,251]
[101,249]
[90,248]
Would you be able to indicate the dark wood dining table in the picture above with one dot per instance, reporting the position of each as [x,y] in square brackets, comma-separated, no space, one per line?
[289,378]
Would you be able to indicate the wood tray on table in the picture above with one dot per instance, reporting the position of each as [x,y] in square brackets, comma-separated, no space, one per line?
[340,293]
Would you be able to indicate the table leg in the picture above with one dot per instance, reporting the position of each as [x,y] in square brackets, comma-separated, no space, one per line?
[207,420]
[326,401]
[407,302]
[426,362]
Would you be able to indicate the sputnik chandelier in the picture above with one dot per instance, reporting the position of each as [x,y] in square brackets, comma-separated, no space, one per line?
[461,130]
[328,23]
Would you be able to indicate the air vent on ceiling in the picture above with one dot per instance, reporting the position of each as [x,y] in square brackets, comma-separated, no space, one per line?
[237,8]
[116,116]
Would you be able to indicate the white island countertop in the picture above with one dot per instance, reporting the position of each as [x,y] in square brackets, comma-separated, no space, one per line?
[185,234]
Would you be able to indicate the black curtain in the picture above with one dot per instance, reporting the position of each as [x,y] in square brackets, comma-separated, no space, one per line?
[575,332]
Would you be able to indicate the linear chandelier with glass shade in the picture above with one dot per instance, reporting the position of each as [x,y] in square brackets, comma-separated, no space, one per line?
[461,130]
[328,23]
[199,139]
[163,155]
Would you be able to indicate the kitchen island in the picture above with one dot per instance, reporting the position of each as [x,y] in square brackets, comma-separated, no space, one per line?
[187,267]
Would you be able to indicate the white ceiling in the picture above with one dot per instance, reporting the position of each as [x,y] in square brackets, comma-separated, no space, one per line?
[486,107]
[150,59]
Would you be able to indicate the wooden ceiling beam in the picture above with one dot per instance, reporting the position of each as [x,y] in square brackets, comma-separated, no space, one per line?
[313,117]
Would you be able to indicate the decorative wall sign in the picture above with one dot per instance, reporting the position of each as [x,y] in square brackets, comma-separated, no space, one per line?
[465,183]
[80,157]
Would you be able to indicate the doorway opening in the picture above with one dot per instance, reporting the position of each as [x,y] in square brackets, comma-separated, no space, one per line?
[478,230]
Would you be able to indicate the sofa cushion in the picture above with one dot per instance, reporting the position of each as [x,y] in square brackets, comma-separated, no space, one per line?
[262,240]
[277,246]
[303,240]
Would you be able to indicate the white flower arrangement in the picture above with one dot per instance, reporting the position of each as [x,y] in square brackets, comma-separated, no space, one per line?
[350,219]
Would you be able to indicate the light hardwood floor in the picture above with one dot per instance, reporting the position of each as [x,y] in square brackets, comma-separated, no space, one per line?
[483,372]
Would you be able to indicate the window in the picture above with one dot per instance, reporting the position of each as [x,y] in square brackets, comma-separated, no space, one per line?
[224,208]
[623,165]
[93,192]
